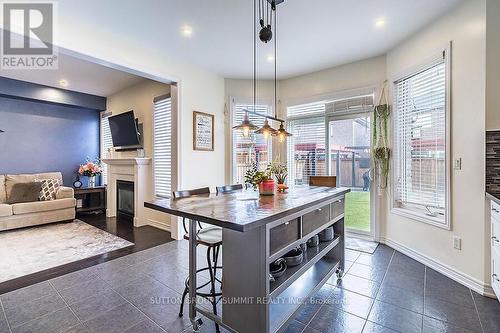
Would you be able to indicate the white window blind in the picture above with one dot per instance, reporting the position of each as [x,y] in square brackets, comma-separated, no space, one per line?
[421,142]
[306,149]
[106,143]
[252,149]
[162,146]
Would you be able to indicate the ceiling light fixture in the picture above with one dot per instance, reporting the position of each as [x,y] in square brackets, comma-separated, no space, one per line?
[380,22]
[187,31]
[63,83]
[246,125]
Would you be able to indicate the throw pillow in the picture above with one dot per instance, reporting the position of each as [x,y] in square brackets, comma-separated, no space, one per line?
[49,189]
[24,192]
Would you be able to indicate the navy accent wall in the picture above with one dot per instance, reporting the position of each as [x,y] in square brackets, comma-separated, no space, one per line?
[35,92]
[43,137]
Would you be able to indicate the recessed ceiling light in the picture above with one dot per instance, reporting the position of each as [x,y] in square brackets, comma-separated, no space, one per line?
[187,31]
[380,22]
[270,58]
[63,83]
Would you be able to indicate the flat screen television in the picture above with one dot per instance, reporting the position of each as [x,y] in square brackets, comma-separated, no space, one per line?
[125,131]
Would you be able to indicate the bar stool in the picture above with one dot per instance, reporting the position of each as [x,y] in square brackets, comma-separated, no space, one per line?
[211,237]
[225,189]
[327,181]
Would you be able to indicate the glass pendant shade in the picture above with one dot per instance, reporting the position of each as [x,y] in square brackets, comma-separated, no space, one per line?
[246,126]
[281,133]
[266,130]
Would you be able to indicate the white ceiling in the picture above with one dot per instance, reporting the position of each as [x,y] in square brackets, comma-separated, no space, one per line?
[313,34]
[81,75]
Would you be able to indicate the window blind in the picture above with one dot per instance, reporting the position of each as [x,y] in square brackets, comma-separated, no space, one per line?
[162,146]
[306,110]
[247,150]
[306,149]
[350,105]
[106,143]
[420,141]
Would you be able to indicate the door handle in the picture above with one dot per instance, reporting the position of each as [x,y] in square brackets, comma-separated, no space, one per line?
[494,276]
[495,239]
[494,210]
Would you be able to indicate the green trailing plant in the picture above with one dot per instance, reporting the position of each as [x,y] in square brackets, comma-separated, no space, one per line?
[381,150]
[254,177]
[278,170]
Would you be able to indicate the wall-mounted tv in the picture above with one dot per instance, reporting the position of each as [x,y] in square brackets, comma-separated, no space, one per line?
[125,131]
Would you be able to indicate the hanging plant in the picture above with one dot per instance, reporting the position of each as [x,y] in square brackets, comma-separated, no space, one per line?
[381,150]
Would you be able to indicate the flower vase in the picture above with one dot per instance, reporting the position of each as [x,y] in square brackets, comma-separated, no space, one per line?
[266,187]
[91,182]
[282,188]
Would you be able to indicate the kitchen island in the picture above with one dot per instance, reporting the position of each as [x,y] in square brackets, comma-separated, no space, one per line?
[258,230]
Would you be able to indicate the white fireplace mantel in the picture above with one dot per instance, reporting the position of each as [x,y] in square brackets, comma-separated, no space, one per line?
[135,170]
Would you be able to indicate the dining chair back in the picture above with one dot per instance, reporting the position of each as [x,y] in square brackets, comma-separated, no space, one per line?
[328,181]
[228,188]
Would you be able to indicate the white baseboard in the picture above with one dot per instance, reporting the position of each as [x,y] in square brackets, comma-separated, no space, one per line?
[462,278]
[159,225]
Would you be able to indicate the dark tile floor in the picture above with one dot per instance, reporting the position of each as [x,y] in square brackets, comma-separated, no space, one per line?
[383,292]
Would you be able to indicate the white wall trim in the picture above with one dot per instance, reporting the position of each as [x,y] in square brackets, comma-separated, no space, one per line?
[462,278]
[160,225]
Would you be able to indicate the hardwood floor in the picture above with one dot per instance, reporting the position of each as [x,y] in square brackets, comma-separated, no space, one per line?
[143,238]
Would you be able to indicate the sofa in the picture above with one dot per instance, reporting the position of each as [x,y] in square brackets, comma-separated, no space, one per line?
[28,214]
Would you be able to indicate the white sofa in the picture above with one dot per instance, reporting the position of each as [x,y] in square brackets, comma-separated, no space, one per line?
[28,214]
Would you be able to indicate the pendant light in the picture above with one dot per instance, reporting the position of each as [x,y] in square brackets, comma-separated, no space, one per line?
[246,126]
[266,130]
[281,133]
[265,35]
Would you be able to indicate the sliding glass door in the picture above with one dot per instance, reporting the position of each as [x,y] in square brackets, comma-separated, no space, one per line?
[349,142]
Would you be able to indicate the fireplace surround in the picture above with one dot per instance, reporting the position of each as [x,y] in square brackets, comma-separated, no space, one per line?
[135,172]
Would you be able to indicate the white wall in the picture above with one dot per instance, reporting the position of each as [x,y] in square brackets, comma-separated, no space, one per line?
[465,27]
[78,31]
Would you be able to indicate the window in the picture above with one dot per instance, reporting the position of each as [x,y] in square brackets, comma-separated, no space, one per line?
[162,146]
[421,144]
[106,143]
[306,146]
[252,149]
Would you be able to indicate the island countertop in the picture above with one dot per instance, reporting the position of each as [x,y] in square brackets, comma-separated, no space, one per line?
[244,210]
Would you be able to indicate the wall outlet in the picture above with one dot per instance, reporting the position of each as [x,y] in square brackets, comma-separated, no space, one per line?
[457,242]
[458,164]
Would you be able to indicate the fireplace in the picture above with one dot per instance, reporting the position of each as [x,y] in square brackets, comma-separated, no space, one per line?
[125,200]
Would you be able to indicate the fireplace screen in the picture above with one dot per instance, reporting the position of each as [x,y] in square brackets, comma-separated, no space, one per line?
[125,198]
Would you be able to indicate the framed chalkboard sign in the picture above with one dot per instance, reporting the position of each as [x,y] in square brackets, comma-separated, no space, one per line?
[203,131]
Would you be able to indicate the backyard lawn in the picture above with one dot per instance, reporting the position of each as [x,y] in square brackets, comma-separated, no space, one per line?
[357,211]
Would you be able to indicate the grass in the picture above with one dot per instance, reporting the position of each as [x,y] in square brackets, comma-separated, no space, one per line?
[357,211]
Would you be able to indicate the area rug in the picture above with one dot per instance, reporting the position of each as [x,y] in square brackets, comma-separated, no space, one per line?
[360,245]
[30,250]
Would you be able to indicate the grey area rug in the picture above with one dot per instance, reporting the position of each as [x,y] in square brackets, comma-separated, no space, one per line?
[30,250]
[360,245]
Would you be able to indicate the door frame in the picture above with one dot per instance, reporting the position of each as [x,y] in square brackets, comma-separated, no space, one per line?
[374,198]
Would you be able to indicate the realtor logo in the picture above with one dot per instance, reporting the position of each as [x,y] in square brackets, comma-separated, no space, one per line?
[28,36]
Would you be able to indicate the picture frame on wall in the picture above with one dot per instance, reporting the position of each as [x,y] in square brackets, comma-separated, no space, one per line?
[203,131]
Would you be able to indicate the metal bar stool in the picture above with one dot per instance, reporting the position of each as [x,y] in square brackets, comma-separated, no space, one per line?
[228,188]
[211,237]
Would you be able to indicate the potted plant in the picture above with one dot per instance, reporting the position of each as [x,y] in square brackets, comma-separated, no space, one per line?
[280,172]
[91,169]
[261,180]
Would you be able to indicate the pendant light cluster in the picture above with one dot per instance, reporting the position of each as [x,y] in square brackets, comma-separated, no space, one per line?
[267,17]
